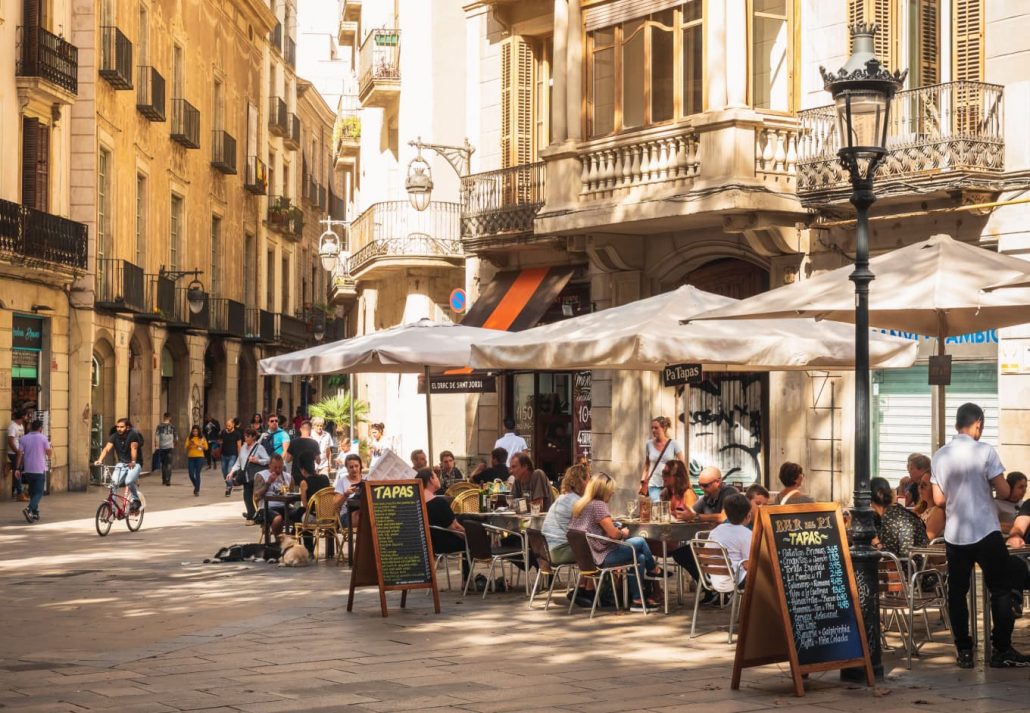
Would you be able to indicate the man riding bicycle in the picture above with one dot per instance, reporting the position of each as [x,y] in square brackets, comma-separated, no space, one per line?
[126,443]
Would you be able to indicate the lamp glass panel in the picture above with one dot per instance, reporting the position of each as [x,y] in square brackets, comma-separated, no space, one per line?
[868,113]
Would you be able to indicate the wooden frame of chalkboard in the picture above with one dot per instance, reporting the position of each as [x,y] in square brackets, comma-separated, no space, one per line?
[388,512]
[813,618]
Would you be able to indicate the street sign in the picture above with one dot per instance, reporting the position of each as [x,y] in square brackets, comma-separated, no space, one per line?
[458,300]
[681,374]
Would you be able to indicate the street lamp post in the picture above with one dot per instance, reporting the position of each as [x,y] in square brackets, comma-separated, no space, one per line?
[862,92]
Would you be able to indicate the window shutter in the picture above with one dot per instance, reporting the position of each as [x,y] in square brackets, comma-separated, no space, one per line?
[929,43]
[32,13]
[968,43]
[881,12]
[43,168]
[506,102]
[517,64]
[29,159]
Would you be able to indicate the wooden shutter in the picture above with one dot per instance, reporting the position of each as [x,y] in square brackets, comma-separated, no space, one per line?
[968,43]
[929,43]
[517,65]
[32,13]
[884,14]
[35,170]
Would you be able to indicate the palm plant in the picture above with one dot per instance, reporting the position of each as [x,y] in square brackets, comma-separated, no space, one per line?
[338,410]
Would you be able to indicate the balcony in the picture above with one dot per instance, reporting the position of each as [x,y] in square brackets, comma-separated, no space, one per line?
[256,178]
[115,58]
[119,286]
[393,236]
[150,93]
[259,326]
[501,204]
[187,318]
[275,37]
[278,117]
[347,34]
[292,137]
[284,217]
[185,124]
[228,318]
[38,239]
[160,305]
[351,10]
[223,152]
[344,289]
[348,139]
[290,53]
[49,58]
[292,331]
[943,137]
[380,68]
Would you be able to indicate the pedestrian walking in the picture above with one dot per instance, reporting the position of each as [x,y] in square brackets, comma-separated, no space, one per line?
[210,432]
[196,447]
[963,473]
[31,466]
[15,430]
[252,460]
[230,438]
[166,439]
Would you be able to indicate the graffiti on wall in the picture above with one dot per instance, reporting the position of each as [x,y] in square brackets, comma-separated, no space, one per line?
[725,425]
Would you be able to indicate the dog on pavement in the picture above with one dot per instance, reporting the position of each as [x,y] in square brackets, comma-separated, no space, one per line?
[294,553]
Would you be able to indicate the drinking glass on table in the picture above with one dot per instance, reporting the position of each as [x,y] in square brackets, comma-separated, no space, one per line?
[534,508]
[631,508]
[645,510]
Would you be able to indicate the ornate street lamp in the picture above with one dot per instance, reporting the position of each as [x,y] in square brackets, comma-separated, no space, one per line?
[195,295]
[329,250]
[419,181]
[862,92]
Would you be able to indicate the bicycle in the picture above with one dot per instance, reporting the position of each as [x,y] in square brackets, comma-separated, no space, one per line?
[118,506]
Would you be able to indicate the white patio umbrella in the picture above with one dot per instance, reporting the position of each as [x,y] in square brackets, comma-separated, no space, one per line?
[420,347]
[648,334]
[935,288]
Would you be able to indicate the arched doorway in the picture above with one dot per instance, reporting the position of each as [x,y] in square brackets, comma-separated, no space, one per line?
[102,395]
[727,415]
[246,385]
[215,381]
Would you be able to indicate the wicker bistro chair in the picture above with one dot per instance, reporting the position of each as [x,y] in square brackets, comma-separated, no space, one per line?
[579,541]
[901,598]
[554,493]
[481,551]
[322,519]
[712,559]
[545,568]
[467,501]
[447,557]
[460,487]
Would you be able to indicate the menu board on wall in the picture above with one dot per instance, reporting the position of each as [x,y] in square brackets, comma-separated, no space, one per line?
[800,601]
[394,551]
[582,420]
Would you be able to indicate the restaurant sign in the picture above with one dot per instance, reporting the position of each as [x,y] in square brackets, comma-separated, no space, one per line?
[460,384]
[681,374]
[27,333]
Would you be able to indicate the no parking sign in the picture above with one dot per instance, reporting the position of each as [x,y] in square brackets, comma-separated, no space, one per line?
[458,300]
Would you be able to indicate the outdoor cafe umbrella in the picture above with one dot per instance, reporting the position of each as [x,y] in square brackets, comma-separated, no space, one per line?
[423,347]
[935,288]
[648,334]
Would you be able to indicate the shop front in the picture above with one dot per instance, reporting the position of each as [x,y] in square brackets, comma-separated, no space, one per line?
[29,389]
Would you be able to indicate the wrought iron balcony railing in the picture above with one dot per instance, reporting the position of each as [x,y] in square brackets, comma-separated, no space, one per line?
[275,37]
[33,237]
[291,330]
[292,137]
[201,320]
[223,152]
[379,60]
[115,58]
[150,93]
[502,202]
[260,326]
[48,57]
[228,317]
[278,117]
[290,53]
[394,229]
[120,286]
[937,135]
[185,124]
[285,217]
[256,178]
[161,305]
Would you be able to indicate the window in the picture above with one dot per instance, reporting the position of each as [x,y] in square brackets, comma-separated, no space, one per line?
[216,255]
[771,55]
[249,276]
[178,74]
[35,164]
[141,220]
[884,14]
[924,42]
[286,278]
[968,40]
[104,247]
[270,280]
[216,105]
[646,70]
[175,227]
[517,106]
[143,37]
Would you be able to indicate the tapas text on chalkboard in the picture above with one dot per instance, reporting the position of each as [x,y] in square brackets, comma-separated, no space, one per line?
[393,550]
[800,599]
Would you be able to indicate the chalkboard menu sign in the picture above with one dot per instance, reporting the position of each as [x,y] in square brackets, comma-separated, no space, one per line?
[800,600]
[393,551]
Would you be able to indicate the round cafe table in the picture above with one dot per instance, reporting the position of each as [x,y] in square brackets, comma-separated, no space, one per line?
[674,532]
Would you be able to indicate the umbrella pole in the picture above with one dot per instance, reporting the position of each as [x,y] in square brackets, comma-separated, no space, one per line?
[429,417]
[940,394]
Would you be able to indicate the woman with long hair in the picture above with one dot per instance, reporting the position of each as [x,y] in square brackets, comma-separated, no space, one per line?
[659,449]
[196,447]
[898,529]
[591,514]
[676,489]
[933,516]
[556,524]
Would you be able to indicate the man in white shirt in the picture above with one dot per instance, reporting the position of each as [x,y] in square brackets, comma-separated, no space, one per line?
[325,445]
[15,431]
[511,441]
[963,473]
[734,535]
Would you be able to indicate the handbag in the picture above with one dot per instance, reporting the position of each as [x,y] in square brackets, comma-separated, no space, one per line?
[643,485]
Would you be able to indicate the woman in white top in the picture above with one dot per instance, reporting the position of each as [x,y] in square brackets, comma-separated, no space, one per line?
[1009,507]
[377,444]
[658,451]
[556,524]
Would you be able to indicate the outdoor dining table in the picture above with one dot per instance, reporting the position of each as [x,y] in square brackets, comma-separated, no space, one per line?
[287,500]
[513,521]
[674,532]
[985,594]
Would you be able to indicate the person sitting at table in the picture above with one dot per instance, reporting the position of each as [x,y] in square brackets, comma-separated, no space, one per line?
[1019,533]
[530,482]
[676,488]
[591,514]
[758,496]
[932,515]
[897,529]
[448,472]
[268,482]
[348,486]
[735,537]
[309,485]
[908,489]
[498,469]
[709,507]
[440,514]
[792,476]
[419,459]
[1008,507]
[556,524]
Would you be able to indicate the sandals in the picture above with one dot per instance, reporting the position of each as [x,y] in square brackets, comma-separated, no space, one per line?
[657,573]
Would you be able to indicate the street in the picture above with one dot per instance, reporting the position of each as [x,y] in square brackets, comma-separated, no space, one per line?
[138,622]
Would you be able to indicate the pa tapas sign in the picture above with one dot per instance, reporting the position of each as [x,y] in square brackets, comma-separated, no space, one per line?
[682,374]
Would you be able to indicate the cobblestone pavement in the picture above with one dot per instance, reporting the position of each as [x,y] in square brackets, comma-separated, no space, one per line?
[137,622]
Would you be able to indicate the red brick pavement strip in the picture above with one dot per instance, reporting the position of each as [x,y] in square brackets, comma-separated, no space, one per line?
[138,622]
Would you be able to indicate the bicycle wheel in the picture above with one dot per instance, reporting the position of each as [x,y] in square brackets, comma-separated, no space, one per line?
[134,520]
[105,516]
